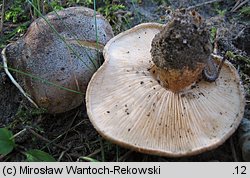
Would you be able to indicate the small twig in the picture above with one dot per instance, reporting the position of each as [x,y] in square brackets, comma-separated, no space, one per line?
[2,17]
[1,157]
[216,56]
[95,152]
[125,156]
[18,147]
[73,120]
[62,154]
[12,78]
[74,155]
[203,4]
[45,139]
[5,158]
[102,149]
[233,150]
[69,156]
[117,153]
[59,136]
[215,50]
[79,147]
[31,13]
[17,134]
[237,5]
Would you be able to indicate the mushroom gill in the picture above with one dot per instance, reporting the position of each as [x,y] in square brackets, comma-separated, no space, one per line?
[128,104]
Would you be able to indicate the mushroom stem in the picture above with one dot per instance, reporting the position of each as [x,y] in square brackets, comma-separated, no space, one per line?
[181,51]
[176,80]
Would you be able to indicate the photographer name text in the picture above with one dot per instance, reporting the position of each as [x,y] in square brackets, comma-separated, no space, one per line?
[76,170]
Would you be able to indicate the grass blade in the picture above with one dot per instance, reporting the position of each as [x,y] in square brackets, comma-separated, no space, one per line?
[43,80]
[74,35]
[102,149]
[60,37]
[87,159]
[96,35]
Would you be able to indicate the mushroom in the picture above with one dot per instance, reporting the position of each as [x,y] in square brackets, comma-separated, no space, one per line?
[66,59]
[136,103]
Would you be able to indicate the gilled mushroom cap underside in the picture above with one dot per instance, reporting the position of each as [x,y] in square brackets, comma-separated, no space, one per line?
[128,106]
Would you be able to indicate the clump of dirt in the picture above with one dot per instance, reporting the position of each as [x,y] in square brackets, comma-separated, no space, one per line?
[184,42]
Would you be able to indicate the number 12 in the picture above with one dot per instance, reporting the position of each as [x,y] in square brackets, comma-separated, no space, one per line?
[241,169]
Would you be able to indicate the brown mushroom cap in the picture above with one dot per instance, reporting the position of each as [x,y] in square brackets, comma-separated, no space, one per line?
[43,54]
[127,104]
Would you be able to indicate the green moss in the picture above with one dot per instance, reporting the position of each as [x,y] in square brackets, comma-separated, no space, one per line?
[245,11]
[16,13]
[238,57]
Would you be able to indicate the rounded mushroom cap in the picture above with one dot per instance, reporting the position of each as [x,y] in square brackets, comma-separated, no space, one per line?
[43,54]
[128,105]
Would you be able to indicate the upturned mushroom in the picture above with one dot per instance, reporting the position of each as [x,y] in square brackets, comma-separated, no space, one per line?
[154,93]
[66,58]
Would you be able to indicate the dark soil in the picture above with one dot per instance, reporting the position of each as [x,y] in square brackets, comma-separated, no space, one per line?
[9,99]
[242,40]
[70,136]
